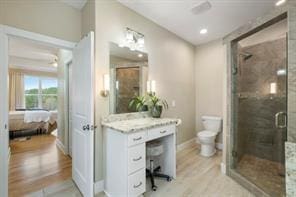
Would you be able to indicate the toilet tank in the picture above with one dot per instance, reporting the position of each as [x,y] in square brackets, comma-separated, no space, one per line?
[212,123]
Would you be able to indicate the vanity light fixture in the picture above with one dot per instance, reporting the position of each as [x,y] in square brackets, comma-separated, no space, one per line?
[140,55]
[280,2]
[273,87]
[133,40]
[117,85]
[129,36]
[281,72]
[151,87]
[141,42]
[148,87]
[106,85]
[203,31]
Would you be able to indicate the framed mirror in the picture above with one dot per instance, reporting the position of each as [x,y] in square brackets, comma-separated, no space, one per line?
[128,77]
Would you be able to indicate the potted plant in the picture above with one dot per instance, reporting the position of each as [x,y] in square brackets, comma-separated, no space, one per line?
[156,106]
[138,103]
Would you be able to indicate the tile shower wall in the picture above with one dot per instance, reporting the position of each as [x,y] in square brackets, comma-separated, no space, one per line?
[128,87]
[258,135]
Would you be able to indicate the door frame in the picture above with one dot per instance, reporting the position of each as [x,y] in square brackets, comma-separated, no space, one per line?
[5,33]
[67,104]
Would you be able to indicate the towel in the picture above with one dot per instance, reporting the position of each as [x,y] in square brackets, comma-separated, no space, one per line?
[36,116]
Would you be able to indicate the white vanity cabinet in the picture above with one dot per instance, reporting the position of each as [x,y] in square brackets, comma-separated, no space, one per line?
[125,156]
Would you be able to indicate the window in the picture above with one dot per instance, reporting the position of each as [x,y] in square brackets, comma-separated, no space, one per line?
[41,93]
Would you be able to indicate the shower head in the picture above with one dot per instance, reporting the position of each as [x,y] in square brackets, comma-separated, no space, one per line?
[246,56]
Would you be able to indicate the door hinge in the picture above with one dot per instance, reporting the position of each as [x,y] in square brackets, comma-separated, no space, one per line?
[5,126]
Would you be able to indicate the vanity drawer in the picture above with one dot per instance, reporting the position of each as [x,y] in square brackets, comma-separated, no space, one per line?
[137,183]
[160,132]
[136,158]
[136,138]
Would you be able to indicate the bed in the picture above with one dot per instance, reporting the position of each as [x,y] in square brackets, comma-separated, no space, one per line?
[32,121]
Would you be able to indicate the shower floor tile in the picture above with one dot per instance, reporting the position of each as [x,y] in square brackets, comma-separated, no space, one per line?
[267,175]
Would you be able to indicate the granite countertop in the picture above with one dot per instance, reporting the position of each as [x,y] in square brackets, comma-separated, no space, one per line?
[138,124]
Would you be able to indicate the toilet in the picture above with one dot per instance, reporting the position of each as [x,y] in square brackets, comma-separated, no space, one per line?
[206,138]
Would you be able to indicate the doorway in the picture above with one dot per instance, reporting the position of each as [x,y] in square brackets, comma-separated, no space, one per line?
[38,127]
[83,106]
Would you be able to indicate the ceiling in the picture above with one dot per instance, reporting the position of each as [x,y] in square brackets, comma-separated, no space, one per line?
[28,55]
[223,17]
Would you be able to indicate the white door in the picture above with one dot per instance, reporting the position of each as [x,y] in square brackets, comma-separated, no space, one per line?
[83,115]
[4,150]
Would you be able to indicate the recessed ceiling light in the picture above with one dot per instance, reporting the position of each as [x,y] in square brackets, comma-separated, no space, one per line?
[140,55]
[203,31]
[280,2]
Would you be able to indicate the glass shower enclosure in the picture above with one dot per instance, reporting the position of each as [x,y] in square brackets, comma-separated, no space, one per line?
[260,108]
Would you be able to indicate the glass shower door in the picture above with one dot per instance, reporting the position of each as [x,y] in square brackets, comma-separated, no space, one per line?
[260,112]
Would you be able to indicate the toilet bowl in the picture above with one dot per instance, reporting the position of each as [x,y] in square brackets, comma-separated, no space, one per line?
[207,137]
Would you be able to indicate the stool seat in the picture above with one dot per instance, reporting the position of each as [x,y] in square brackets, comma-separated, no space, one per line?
[154,149]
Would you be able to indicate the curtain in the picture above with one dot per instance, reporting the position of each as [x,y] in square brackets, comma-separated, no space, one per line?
[16,90]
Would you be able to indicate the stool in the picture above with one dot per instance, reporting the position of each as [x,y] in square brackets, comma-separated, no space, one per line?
[155,149]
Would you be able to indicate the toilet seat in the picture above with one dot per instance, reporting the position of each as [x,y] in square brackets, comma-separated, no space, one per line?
[206,133]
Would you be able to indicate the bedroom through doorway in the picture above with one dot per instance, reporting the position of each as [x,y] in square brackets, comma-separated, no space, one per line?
[39,116]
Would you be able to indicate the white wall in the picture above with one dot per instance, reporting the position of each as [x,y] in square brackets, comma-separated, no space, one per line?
[210,75]
[171,64]
[52,18]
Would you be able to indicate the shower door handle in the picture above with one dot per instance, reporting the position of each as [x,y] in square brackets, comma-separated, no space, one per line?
[277,117]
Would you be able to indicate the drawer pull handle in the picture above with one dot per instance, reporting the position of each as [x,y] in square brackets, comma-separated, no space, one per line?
[137,139]
[163,131]
[136,186]
[137,159]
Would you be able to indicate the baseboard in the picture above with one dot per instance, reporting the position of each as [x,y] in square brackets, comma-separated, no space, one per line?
[99,187]
[186,144]
[223,168]
[61,146]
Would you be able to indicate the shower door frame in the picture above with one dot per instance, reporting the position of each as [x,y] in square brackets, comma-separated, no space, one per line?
[287,11]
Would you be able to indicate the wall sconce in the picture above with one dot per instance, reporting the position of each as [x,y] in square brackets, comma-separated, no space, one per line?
[151,87]
[117,85]
[106,85]
[273,88]
[133,40]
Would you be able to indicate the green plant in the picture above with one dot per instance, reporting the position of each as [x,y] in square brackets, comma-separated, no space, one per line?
[156,105]
[156,101]
[138,103]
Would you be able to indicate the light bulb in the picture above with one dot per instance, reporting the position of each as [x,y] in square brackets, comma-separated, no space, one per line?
[129,37]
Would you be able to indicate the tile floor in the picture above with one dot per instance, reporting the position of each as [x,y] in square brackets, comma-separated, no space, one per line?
[267,175]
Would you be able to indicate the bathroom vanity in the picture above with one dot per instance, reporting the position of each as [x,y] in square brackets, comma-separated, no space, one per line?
[125,152]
